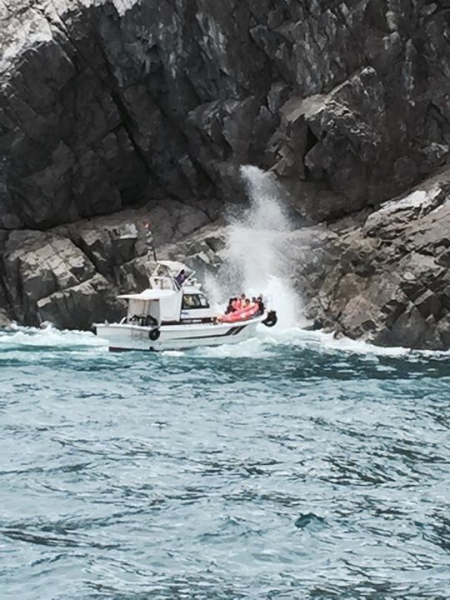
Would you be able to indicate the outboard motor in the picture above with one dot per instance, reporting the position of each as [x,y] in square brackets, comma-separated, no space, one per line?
[271,319]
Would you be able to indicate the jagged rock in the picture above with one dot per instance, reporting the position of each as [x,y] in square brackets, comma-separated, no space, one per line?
[50,276]
[37,265]
[86,303]
[335,137]
[5,319]
[383,278]
[109,105]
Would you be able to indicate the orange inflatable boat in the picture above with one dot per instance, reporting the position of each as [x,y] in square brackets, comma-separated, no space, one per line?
[240,315]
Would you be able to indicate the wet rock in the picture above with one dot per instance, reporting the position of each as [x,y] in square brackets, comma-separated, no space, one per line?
[86,303]
[384,278]
[310,521]
[5,319]
[37,265]
[107,106]
[71,276]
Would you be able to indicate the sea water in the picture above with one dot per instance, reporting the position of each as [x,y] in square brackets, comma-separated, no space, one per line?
[289,466]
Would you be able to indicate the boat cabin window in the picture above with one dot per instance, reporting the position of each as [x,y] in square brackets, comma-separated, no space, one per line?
[194,301]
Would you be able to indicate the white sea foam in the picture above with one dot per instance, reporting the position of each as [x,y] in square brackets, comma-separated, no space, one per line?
[295,338]
[173,353]
[252,348]
[327,342]
[254,262]
[48,336]
[266,344]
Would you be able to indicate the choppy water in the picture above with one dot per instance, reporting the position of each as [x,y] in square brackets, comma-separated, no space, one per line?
[288,467]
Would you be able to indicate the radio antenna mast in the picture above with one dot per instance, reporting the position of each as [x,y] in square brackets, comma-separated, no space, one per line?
[149,240]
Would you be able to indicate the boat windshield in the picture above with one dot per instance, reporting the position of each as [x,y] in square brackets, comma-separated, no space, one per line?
[194,301]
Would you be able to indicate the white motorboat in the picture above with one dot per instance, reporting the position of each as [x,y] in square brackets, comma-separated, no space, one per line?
[170,315]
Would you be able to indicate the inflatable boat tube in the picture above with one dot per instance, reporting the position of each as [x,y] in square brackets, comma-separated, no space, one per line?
[240,315]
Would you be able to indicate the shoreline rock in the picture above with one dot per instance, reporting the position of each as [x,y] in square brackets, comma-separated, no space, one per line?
[146,109]
[71,275]
[379,276]
[383,277]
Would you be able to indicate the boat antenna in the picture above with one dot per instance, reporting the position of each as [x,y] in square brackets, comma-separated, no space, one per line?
[149,240]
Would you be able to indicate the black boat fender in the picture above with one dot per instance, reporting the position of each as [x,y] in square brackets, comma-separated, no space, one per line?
[154,334]
[271,319]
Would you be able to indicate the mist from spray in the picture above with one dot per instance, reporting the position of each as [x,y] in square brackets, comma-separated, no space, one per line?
[255,261]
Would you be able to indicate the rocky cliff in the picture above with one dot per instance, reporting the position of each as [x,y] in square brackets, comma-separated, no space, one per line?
[150,106]
[378,275]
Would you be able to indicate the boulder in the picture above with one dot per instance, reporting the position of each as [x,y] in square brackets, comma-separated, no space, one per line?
[84,304]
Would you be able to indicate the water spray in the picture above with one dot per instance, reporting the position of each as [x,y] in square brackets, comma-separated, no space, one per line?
[254,259]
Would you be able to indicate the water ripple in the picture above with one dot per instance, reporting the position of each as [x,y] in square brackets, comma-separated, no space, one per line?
[291,468]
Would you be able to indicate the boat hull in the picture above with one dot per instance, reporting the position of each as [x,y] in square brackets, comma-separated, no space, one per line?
[122,337]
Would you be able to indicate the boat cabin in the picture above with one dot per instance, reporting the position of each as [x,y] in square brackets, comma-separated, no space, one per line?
[169,299]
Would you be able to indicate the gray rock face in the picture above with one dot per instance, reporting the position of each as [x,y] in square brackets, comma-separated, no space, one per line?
[71,275]
[384,277]
[111,105]
[380,276]
[107,104]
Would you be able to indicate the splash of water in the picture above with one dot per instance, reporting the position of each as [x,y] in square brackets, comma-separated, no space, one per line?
[254,261]
[32,337]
